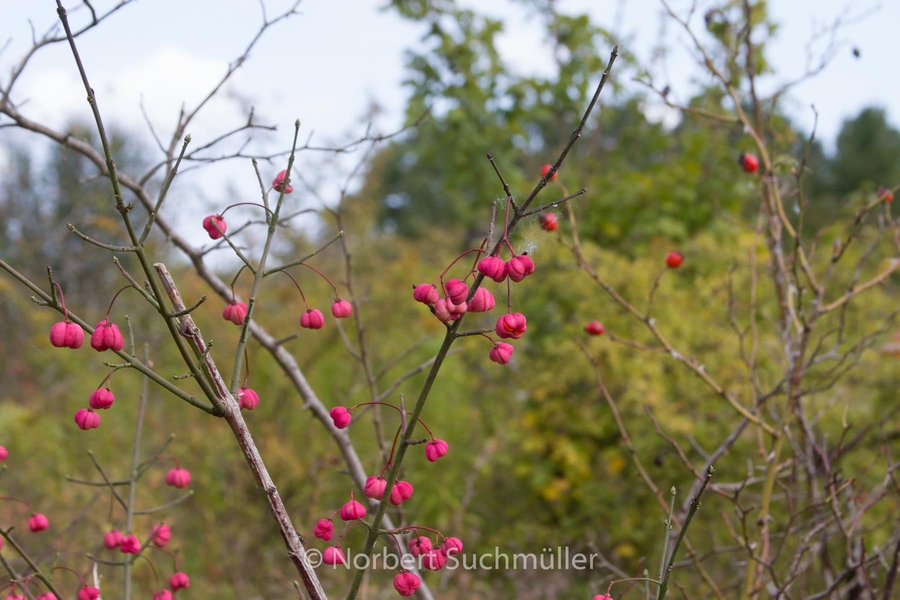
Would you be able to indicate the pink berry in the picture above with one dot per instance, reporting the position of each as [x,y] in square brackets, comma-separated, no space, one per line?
[161,535]
[324,529]
[130,545]
[549,222]
[341,416]
[162,595]
[38,522]
[402,491]
[88,593]
[45,596]
[248,398]
[420,546]
[457,310]
[312,319]
[341,309]
[594,328]
[493,267]
[516,268]
[107,337]
[602,597]
[66,335]
[179,581]
[673,259]
[3,453]
[86,418]
[501,353]
[406,584]
[442,310]
[374,487]
[101,398]
[210,223]
[511,326]
[113,539]
[482,301]
[14,596]
[457,291]
[333,556]
[236,312]
[434,560]
[527,264]
[435,449]
[178,477]
[425,293]
[278,183]
[748,162]
[352,511]
[452,546]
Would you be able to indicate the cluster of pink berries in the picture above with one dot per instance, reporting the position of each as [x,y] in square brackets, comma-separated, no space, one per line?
[455,301]
[352,512]
[106,336]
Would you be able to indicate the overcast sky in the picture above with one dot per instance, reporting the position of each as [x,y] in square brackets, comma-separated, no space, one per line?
[329,64]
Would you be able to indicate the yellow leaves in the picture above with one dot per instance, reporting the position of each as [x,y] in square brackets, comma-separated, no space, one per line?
[556,490]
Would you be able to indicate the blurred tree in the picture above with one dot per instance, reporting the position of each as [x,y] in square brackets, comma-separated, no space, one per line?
[866,153]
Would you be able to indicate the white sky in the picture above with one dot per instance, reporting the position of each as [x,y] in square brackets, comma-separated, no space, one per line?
[329,64]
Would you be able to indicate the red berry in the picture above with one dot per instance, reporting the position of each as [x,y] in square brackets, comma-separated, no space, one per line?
[107,336]
[749,163]
[546,169]
[66,334]
[374,487]
[594,328]
[324,529]
[501,353]
[312,319]
[113,539]
[457,291]
[341,309]
[341,416]
[452,546]
[211,222]
[38,522]
[673,259]
[178,477]
[101,398]
[161,535]
[86,418]
[130,545]
[278,183]
[402,491]
[236,312]
[482,301]
[434,560]
[493,267]
[88,593]
[179,581]
[406,584]
[435,449]
[419,546]
[549,222]
[333,556]
[353,510]
[511,326]
[886,195]
[425,293]
[248,398]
